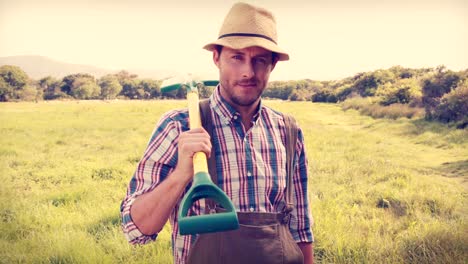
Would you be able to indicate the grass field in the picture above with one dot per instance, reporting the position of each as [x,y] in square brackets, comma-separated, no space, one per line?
[382,191]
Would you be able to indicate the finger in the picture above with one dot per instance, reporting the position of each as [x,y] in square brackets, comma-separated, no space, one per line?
[188,140]
[196,146]
[194,139]
[196,136]
[190,148]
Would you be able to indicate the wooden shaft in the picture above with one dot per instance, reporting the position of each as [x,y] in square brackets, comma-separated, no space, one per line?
[199,159]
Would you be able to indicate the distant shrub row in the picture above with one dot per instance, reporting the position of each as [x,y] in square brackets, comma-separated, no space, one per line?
[15,85]
[394,92]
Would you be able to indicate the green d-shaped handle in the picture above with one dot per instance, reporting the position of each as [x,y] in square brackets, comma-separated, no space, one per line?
[203,187]
[187,85]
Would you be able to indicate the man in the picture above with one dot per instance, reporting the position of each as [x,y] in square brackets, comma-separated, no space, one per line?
[249,144]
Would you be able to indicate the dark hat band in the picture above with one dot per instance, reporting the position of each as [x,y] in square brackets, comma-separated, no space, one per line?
[246,35]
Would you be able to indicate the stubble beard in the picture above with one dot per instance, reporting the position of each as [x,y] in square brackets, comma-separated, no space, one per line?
[242,100]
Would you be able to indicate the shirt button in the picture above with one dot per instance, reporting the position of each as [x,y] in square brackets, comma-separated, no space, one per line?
[251,209]
[235,117]
[249,174]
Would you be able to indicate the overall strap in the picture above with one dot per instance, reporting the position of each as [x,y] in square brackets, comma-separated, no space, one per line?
[207,123]
[291,139]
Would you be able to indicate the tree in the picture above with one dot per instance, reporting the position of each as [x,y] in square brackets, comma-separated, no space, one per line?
[67,82]
[6,91]
[51,88]
[130,85]
[131,89]
[13,81]
[110,86]
[85,88]
[151,88]
[80,86]
[14,76]
[125,75]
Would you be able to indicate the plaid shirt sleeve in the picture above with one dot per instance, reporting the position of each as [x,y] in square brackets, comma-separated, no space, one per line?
[158,161]
[301,220]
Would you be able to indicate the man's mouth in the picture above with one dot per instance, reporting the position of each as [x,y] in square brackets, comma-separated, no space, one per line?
[247,84]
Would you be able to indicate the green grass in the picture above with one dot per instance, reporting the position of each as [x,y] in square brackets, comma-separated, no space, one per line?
[369,106]
[382,191]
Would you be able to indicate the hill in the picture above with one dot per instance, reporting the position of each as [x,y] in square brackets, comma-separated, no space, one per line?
[40,66]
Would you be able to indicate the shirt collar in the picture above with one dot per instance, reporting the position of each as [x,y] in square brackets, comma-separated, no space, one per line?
[225,110]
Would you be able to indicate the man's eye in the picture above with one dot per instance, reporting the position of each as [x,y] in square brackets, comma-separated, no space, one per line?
[261,61]
[237,57]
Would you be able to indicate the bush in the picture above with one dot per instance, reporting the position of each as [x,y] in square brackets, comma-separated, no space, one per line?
[453,106]
[325,96]
[368,83]
[280,90]
[435,87]
[29,93]
[402,92]
[344,92]
[299,95]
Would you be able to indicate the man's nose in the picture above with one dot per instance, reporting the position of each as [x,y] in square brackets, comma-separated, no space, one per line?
[248,70]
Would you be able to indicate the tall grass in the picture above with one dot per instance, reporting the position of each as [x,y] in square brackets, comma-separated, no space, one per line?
[382,191]
[379,194]
[394,111]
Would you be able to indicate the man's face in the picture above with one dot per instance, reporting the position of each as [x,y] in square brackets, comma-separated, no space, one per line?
[243,74]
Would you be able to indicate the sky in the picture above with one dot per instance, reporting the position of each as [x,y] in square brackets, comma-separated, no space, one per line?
[326,40]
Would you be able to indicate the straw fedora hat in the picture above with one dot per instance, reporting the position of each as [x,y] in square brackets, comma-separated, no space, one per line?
[246,26]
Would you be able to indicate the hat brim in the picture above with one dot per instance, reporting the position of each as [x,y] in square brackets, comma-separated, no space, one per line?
[245,42]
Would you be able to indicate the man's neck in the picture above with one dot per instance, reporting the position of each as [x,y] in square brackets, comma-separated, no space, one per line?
[247,113]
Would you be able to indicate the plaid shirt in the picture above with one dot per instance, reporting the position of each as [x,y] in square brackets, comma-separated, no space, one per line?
[251,168]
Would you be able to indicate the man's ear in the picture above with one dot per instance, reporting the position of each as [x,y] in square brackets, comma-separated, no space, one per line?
[216,56]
